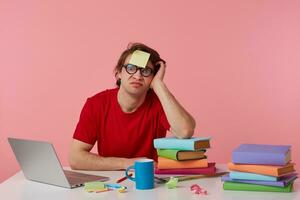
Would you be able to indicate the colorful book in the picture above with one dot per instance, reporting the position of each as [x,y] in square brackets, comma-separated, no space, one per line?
[280,183]
[254,187]
[181,154]
[263,169]
[165,163]
[251,176]
[210,170]
[182,144]
[262,154]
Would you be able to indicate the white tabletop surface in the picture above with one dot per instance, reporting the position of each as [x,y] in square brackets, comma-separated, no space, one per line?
[17,187]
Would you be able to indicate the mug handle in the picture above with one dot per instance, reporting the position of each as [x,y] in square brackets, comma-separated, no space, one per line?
[126,173]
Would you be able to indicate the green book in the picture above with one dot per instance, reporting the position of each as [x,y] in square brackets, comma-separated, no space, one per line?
[181,154]
[255,187]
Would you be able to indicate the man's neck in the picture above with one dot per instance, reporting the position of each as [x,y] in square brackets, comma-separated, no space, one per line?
[130,103]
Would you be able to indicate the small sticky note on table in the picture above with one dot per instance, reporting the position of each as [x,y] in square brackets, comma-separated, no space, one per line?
[172,183]
[139,58]
[95,187]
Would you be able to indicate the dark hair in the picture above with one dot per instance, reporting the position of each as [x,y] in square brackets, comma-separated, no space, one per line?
[154,57]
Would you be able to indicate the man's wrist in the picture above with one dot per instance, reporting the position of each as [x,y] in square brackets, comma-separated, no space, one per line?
[157,85]
[126,162]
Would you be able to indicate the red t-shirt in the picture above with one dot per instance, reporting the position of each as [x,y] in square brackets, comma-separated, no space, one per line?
[120,134]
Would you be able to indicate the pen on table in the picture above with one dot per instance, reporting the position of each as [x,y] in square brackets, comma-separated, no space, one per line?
[160,180]
[190,177]
[186,178]
[123,179]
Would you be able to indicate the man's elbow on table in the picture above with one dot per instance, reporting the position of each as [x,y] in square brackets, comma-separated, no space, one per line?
[184,133]
[73,162]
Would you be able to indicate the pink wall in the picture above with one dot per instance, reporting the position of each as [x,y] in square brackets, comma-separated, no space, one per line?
[233,64]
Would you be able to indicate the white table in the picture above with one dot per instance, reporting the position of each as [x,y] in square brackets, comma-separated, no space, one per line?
[17,187]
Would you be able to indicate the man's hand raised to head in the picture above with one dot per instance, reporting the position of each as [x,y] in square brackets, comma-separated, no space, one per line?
[158,78]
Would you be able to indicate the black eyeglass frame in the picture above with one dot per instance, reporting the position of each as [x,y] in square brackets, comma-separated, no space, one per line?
[142,70]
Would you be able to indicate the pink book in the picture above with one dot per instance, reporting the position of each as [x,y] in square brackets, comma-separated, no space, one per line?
[210,170]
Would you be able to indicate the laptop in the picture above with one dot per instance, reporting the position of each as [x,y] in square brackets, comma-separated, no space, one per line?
[39,162]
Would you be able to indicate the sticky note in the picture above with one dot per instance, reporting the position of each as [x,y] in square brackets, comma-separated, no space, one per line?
[172,183]
[122,190]
[95,187]
[139,58]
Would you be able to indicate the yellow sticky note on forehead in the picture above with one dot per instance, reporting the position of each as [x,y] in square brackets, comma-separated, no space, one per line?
[139,58]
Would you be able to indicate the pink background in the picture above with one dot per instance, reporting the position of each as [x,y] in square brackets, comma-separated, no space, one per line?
[233,64]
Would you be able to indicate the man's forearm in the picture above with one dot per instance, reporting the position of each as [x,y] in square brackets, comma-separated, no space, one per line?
[181,122]
[83,160]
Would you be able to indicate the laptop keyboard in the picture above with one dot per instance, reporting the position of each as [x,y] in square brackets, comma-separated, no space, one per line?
[80,178]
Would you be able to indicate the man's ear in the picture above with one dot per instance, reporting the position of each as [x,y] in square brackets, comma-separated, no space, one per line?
[118,78]
[118,75]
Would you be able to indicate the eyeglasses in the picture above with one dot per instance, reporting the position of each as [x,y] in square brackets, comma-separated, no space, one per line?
[132,69]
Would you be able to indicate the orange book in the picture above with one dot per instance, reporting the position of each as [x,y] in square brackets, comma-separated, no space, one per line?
[165,163]
[270,170]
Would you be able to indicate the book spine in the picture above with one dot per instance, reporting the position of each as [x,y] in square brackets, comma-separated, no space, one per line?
[174,144]
[171,154]
[258,158]
[271,183]
[164,163]
[253,169]
[251,176]
[254,187]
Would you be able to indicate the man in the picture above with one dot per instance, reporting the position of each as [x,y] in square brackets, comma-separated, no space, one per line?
[125,120]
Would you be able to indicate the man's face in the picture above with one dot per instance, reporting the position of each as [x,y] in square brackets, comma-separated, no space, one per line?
[136,83]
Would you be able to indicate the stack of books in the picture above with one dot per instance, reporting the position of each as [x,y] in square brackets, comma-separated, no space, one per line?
[183,156]
[258,167]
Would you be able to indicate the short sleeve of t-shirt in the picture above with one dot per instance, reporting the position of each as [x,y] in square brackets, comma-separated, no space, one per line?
[86,130]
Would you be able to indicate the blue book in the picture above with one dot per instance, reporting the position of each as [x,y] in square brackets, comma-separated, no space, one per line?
[262,154]
[284,181]
[195,143]
[251,176]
